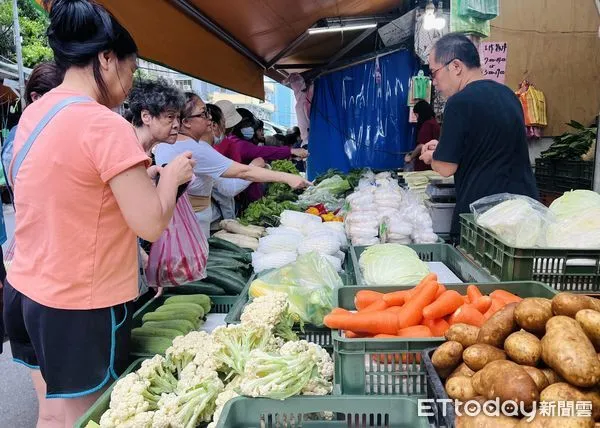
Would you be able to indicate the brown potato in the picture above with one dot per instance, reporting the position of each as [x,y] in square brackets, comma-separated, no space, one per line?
[568,351]
[568,304]
[590,323]
[523,348]
[532,313]
[483,421]
[464,334]
[506,380]
[462,370]
[496,329]
[447,356]
[551,376]
[557,422]
[538,377]
[480,354]
[460,388]
[562,391]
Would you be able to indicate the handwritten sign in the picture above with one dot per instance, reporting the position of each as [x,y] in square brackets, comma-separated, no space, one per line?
[493,60]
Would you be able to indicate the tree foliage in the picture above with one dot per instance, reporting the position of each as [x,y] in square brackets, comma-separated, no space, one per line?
[33,24]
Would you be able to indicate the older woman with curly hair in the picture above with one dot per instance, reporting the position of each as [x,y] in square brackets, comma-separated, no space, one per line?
[155,110]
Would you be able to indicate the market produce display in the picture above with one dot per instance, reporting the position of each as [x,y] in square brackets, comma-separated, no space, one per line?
[391,264]
[201,372]
[177,316]
[427,310]
[300,233]
[329,192]
[531,350]
[571,221]
[572,145]
[228,269]
[380,211]
[308,284]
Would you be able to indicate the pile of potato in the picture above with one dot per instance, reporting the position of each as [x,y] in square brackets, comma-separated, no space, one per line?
[535,350]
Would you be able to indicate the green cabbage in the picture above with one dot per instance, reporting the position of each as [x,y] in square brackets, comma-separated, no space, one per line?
[578,230]
[574,202]
[516,221]
[392,264]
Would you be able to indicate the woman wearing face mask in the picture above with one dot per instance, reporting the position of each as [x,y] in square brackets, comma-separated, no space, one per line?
[243,151]
[82,196]
[196,126]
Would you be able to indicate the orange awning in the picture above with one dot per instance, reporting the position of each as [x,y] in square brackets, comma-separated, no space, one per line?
[170,32]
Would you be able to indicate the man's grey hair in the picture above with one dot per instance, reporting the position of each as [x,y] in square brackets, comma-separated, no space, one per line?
[456,46]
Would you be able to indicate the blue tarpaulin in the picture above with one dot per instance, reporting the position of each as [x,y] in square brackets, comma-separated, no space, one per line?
[359,116]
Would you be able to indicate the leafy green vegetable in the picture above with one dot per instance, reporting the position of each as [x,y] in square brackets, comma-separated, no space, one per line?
[572,145]
[280,191]
[284,166]
[391,264]
[266,212]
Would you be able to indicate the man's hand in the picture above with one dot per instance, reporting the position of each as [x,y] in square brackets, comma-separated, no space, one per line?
[427,151]
[408,158]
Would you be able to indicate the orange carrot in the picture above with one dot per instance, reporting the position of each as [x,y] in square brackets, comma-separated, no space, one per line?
[340,311]
[394,309]
[446,304]
[378,305]
[483,304]
[505,296]
[438,326]
[495,307]
[412,292]
[365,297]
[466,299]
[360,322]
[352,335]
[412,312]
[395,298]
[415,331]
[440,291]
[386,336]
[473,293]
[467,314]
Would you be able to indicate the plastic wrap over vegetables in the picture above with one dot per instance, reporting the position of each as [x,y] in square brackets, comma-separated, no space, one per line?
[300,221]
[391,264]
[264,261]
[328,192]
[308,283]
[519,220]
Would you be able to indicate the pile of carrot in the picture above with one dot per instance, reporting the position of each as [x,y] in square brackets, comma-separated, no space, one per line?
[427,310]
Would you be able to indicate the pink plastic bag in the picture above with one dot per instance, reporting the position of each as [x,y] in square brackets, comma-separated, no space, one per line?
[179,256]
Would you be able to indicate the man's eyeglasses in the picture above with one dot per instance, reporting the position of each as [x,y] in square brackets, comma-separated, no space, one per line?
[434,72]
[203,114]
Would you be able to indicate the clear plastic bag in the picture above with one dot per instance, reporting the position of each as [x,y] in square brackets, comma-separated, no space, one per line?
[262,261]
[519,220]
[278,242]
[179,256]
[308,282]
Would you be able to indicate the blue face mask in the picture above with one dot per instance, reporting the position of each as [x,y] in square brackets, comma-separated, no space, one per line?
[247,132]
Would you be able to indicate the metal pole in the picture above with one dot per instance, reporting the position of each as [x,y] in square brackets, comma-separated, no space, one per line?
[17,33]
[596,183]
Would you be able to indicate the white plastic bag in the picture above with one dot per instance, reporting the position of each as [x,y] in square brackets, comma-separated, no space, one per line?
[278,243]
[519,220]
[322,244]
[262,261]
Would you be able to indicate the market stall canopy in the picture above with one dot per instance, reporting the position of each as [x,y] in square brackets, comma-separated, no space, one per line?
[233,43]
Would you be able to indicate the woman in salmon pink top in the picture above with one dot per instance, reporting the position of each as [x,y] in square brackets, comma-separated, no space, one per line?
[82,196]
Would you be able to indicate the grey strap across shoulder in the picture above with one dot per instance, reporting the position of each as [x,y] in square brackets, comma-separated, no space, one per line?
[20,157]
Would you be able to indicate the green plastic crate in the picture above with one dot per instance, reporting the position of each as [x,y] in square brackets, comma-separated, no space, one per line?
[95,412]
[393,366]
[462,267]
[576,270]
[221,305]
[319,335]
[301,412]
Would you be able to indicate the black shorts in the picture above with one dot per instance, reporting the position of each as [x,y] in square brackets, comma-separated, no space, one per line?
[77,351]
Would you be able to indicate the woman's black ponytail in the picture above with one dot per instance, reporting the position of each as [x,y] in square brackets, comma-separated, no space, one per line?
[79,30]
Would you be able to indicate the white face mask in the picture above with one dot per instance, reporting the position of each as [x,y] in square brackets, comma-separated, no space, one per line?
[247,132]
[217,140]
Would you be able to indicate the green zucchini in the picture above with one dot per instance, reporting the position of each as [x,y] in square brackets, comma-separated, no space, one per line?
[224,245]
[242,257]
[199,299]
[199,287]
[184,326]
[169,333]
[150,345]
[191,316]
[176,307]
[232,264]
[231,283]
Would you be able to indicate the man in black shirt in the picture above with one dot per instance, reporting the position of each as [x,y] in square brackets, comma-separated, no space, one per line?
[483,142]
